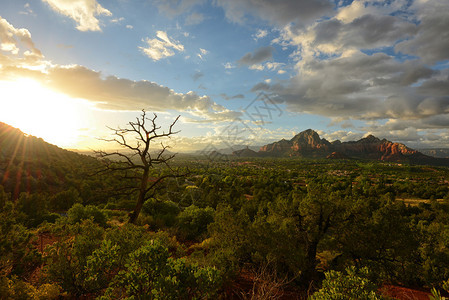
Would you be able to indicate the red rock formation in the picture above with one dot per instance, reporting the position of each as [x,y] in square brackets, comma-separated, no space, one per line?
[309,143]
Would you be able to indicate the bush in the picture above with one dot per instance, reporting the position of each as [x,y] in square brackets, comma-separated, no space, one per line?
[78,213]
[150,273]
[14,288]
[163,212]
[354,285]
[64,200]
[128,238]
[66,260]
[17,255]
[193,222]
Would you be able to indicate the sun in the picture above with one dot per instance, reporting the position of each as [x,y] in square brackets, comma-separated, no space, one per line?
[41,112]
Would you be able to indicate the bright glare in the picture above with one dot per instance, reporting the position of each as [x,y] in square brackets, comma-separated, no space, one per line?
[38,111]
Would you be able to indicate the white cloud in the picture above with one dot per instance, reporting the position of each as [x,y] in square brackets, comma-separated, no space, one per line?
[228,65]
[12,38]
[118,20]
[129,26]
[202,53]
[161,47]
[273,65]
[83,12]
[260,34]
[27,11]
[258,67]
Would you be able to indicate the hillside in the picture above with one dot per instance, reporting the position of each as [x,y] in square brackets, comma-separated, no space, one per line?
[29,164]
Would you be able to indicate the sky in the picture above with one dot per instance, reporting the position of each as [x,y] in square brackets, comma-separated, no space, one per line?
[238,72]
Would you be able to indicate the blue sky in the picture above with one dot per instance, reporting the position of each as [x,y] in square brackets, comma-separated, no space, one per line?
[343,68]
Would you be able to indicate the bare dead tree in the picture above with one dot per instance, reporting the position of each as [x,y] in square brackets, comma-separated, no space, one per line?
[140,158]
[266,283]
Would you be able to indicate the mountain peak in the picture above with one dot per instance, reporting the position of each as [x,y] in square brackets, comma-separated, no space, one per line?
[308,140]
[370,139]
[308,134]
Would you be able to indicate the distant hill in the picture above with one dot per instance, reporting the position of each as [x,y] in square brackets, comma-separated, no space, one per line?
[29,164]
[309,144]
[437,152]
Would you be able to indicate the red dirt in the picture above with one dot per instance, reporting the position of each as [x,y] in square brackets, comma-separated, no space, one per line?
[243,285]
[242,288]
[45,239]
[403,293]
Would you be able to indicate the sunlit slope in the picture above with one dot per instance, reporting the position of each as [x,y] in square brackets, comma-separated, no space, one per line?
[29,164]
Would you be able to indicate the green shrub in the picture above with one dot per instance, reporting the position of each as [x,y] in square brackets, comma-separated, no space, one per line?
[79,212]
[150,273]
[193,222]
[14,288]
[64,200]
[17,255]
[66,260]
[354,285]
[163,212]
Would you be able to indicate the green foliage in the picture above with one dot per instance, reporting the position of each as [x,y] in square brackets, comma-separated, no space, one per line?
[64,200]
[231,247]
[66,260]
[151,274]
[79,212]
[193,222]
[354,285]
[32,209]
[299,216]
[127,238]
[380,235]
[163,212]
[14,288]
[17,255]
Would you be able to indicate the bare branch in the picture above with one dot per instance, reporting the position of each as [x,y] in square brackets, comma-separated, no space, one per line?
[142,133]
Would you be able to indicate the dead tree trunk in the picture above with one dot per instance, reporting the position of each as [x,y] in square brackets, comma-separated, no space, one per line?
[138,161]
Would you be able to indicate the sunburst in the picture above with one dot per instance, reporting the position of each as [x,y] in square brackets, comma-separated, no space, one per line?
[41,112]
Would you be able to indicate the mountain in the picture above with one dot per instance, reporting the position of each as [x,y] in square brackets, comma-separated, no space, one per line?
[229,150]
[245,152]
[309,144]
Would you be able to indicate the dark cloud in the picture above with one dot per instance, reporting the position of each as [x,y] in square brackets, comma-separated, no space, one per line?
[280,12]
[431,42]
[173,8]
[437,86]
[197,75]
[260,55]
[368,31]
[365,87]
[227,97]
